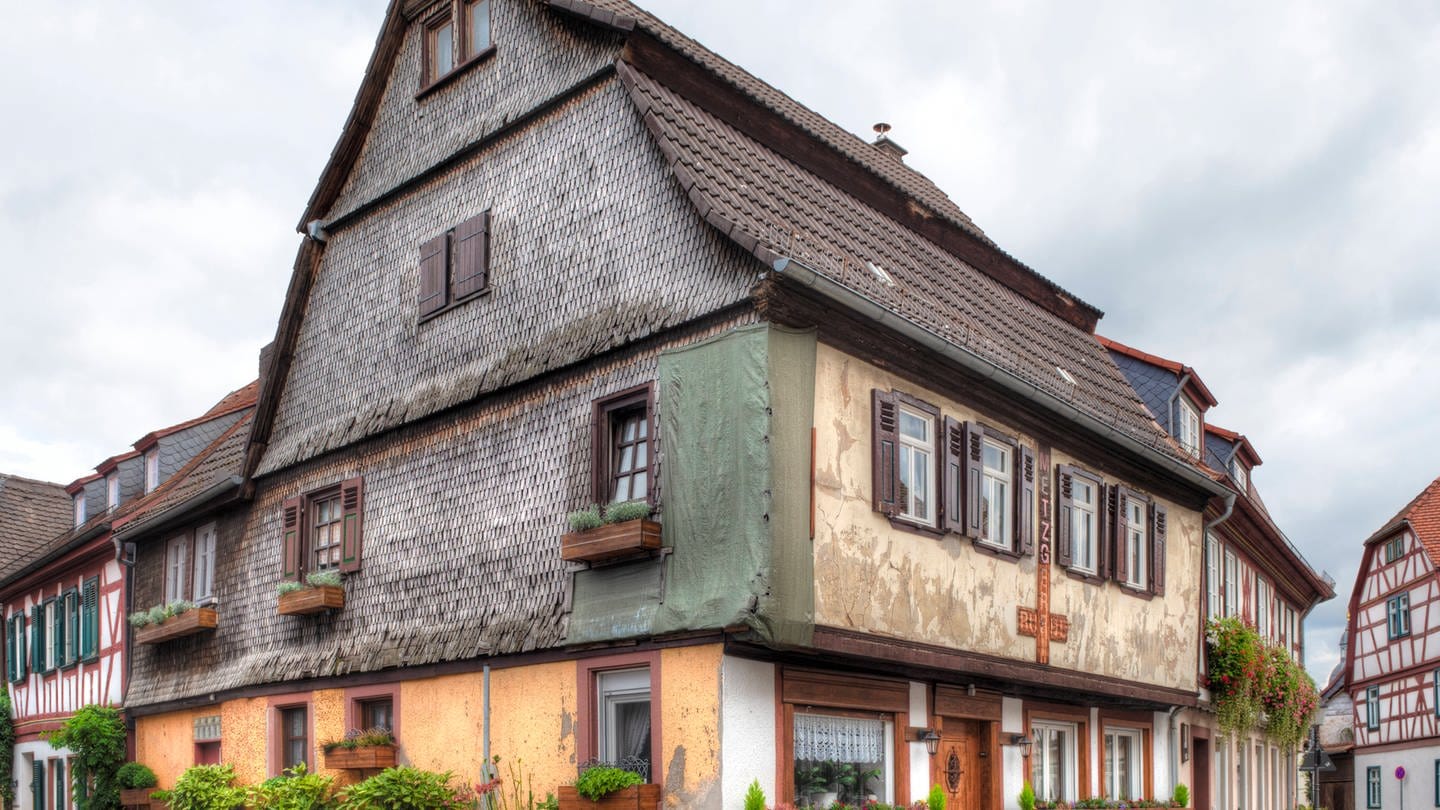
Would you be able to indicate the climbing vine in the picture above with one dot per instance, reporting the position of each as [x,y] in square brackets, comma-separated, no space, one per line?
[1251,681]
[7,749]
[96,736]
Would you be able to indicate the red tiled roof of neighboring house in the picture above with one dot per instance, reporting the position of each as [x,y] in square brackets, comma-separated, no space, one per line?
[31,513]
[1180,369]
[1423,516]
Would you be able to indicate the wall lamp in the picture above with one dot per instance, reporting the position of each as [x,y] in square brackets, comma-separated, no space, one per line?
[1024,742]
[930,738]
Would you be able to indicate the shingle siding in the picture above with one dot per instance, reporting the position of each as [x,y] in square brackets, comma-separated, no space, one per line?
[1153,384]
[177,449]
[593,246]
[132,479]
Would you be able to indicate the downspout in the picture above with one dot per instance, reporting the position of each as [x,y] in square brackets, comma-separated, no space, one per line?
[1174,750]
[126,558]
[486,771]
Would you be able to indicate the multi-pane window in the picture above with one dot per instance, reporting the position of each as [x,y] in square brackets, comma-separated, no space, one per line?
[325,533]
[996,493]
[204,585]
[847,755]
[1232,584]
[112,490]
[152,470]
[1135,542]
[1372,787]
[79,504]
[1372,708]
[1124,770]
[55,632]
[630,455]
[1239,475]
[917,459]
[1394,548]
[1397,615]
[1084,524]
[177,567]
[440,39]
[1213,607]
[1053,761]
[477,27]
[454,37]
[623,715]
[15,647]
[377,713]
[1189,434]
[1262,607]
[294,737]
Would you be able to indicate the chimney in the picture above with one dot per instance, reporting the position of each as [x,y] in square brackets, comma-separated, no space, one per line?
[884,144]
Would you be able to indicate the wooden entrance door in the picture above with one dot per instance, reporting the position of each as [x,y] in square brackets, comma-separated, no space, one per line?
[962,765]
[1202,774]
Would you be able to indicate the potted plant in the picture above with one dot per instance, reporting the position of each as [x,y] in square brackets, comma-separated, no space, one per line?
[136,781]
[622,530]
[170,621]
[371,749]
[602,787]
[321,591]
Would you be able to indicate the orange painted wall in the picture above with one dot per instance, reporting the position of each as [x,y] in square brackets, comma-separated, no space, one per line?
[690,725]
[166,743]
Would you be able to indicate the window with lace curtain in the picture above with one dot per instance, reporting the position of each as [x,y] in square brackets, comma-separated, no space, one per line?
[843,758]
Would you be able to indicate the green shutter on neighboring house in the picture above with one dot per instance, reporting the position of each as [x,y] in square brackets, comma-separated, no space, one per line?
[37,639]
[55,609]
[37,785]
[90,620]
[10,649]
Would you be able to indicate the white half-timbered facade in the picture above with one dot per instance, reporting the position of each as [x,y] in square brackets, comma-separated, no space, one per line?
[1393,660]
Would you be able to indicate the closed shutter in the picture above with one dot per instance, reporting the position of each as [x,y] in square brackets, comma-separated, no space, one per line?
[57,633]
[953,501]
[10,653]
[90,620]
[21,659]
[434,261]
[1157,549]
[1064,504]
[974,477]
[37,638]
[472,257]
[352,527]
[1119,501]
[884,444]
[1025,502]
[37,784]
[292,517]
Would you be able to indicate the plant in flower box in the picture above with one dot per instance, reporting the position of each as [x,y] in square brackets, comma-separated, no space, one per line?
[173,620]
[370,749]
[321,591]
[620,530]
[602,787]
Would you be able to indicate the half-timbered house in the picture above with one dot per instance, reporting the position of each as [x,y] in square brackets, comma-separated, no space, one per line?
[65,602]
[1392,666]
[1251,571]
[910,523]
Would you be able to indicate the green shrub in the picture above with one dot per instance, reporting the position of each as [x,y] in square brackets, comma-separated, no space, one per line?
[360,739]
[289,586]
[140,618]
[629,510]
[937,798]
[754,797]
[600,781]
[586,519]
[134,776]
[403,788]
[204,787]
[550,803]
[328,579]
[157,614]
[1026,799]
[7,749]
[295,790]
[96,736]
[1182,795]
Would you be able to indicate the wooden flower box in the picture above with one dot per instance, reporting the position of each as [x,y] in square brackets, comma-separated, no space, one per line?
[610,541]
[316,599]
[135,797]
[192,621]
[640,797]
[364,758]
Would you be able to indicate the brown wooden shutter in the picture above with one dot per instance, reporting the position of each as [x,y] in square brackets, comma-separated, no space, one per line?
[1106,494]
[1119,499]
[974,477]
[434,261]
[954,477]
[884,444]
[1025,501]
[472,257]
[352,523]
[292,528]
[1064,503]
[1157,549]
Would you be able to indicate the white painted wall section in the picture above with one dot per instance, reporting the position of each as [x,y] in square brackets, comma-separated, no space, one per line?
[747,728]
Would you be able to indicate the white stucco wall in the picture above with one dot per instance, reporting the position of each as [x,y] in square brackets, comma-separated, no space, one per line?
[747,727]
[1418,787]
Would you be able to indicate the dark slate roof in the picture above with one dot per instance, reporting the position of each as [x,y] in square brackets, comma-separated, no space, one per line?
[215,465]
[772,207]
[31,513]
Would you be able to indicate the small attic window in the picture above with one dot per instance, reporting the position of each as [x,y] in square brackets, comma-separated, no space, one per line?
[456,36]
[79,507]
[1239,475]
[879,272]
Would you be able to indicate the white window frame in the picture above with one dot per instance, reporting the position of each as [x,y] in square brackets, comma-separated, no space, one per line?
[1111,775]
[203,585]
[1189,427]
[1040,758]
[1232,583]
[152,469]
[1372,708]
[913,454]
[1213,577]
[1262,607]
[1136,546]
[614,688]
[51,613]
[997,526]
[1394,548]
[112,490]
[1240,476]
[1084,556]
[177,567]
[1397,615]
[79,503]
[1372,787]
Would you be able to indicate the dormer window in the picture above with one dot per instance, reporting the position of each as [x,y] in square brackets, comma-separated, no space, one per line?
[1239,476]
[79,508]
[152,470]
[112,490]
[1189,428]
[456,36]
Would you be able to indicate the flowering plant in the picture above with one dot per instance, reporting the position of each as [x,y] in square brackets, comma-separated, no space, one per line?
[1248,677]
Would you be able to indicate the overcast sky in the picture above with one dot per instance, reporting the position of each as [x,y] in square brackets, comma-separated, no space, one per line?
[1251,189]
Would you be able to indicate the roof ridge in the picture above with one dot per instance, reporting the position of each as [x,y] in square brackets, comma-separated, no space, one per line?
[4,476]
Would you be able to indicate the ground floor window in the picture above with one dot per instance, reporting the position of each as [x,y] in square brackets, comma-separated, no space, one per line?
[1372,787]
[377,713]
[1124,770]
[842,758]
[623,703]
[1053,761]
[294,737]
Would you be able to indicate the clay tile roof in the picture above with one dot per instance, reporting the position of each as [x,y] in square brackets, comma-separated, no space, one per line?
[767,204]
[1179,369]
[1423,515]
[31,513]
